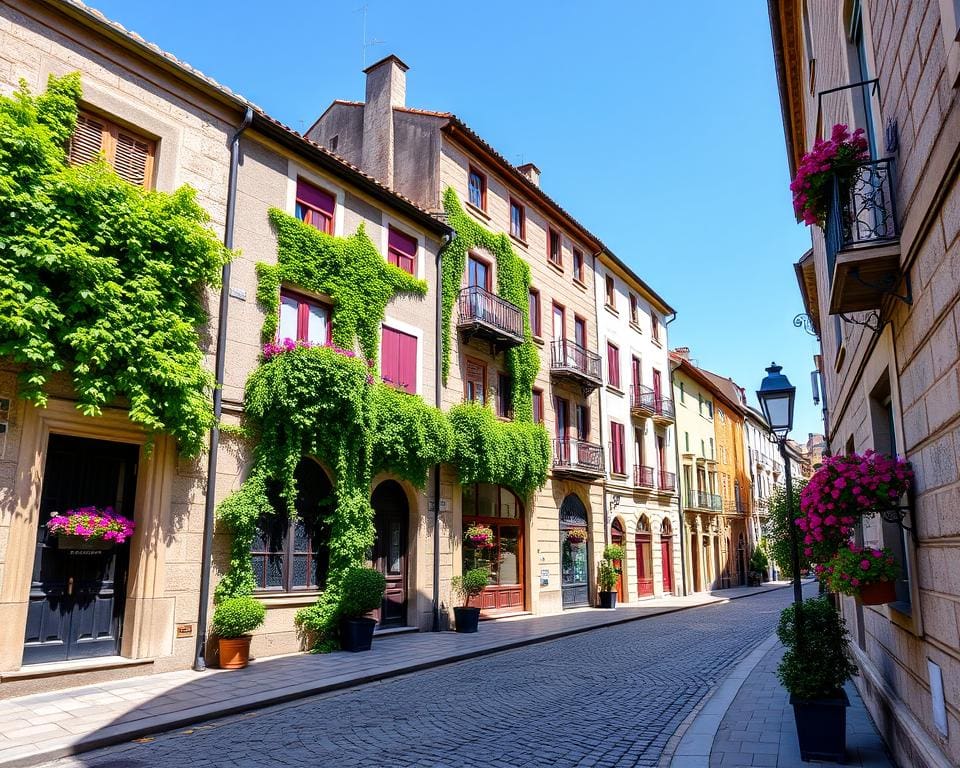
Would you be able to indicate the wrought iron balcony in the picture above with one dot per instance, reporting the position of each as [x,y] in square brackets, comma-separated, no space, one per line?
[568,360]
[643,402]
[643,476]
[485,315]
[666,481]
[576,457]
[704,500]
[665,411]
[862,238]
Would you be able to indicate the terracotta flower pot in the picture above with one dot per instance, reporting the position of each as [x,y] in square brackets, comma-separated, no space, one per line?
[878,593]
[234,652]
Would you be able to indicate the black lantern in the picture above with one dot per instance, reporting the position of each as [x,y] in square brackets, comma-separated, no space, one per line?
[776,395]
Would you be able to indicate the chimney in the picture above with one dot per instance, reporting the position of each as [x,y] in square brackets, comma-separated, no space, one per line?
[683,352]
[531,172]
[386,89]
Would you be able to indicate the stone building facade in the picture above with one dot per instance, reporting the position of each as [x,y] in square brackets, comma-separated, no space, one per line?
[882,293]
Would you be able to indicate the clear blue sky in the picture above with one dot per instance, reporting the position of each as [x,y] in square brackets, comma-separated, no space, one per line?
[656,124]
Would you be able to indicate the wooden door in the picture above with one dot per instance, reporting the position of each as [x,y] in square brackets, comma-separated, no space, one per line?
[636,377]
[657,387]
[562,409]
[618,537]
[479,274]
[580,331]
[644,543]
[666,560]
[391,515]
[77,596]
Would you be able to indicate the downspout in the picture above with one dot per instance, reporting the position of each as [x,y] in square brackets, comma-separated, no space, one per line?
[676,453]
[199,662]
[438,388]
[606,502]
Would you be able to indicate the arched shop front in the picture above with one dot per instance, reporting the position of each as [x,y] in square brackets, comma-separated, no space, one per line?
[499,509]
[574,547]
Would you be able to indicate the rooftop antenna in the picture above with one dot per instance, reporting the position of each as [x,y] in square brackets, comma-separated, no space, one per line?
[364,42]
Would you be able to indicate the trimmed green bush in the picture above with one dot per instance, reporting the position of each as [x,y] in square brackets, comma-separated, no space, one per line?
[363,590]
[820,664]
[237,616]
[613,552]
[470,584]
[606,576]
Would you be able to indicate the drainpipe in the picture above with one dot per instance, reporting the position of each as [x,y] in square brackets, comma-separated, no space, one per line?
[438,388]
[199,662]
[676,453]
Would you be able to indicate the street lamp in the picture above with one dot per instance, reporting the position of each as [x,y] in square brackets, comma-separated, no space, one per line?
[776,396]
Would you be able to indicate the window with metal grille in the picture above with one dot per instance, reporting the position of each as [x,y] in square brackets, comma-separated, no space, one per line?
[129,154]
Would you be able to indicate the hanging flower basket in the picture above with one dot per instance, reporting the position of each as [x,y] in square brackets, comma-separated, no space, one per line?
[89,528]
[576,535]
[812,187]
[480,536]
[866,573]
[841,491]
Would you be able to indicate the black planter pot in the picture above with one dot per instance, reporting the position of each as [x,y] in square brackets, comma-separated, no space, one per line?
[822,727]
[608,599]
[356,634]
[467,619]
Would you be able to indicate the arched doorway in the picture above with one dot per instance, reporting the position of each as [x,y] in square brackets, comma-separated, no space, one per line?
[666,555]
[644,542]
[501,510]
[574,545]
[618,536]
[391,520]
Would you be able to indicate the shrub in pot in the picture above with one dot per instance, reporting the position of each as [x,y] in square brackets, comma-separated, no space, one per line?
[468,586]
[814,668]
[362,591]
[607,575]
[233,620]
[758,566]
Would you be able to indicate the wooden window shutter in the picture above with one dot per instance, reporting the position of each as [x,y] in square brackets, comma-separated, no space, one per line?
[87,141]
[132,159]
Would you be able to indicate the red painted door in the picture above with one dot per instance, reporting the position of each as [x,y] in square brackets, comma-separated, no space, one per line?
[666,559]
[656,387]
[618,537]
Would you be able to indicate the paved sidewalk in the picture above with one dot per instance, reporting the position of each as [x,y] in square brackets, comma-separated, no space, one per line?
[45,726]
[748,721]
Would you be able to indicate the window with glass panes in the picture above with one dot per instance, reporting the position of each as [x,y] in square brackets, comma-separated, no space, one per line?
[518,220]
[499,509]
[315,206]
[303,319]
[477,189]
[402,250]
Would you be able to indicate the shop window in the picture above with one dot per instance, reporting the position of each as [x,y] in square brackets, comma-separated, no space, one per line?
[499,509]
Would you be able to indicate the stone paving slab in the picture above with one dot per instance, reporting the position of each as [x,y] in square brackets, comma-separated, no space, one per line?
[87,717]
[758,728]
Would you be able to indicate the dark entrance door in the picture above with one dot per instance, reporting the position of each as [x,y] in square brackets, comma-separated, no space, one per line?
[574,588]
[390,551]
[77,596]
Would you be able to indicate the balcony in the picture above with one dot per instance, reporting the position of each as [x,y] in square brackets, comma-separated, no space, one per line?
[704,500]
[484,315]
[862,238]
[642,401]
[643,477]
[665,412]
[576,457]
[666,481]
[568,360]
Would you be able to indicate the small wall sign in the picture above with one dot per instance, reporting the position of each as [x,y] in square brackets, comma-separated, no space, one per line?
[184,630]
[544,577]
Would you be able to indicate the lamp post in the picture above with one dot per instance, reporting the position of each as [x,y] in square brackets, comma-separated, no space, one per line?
[776,396]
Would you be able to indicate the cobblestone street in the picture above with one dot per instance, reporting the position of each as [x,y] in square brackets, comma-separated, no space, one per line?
[609,697]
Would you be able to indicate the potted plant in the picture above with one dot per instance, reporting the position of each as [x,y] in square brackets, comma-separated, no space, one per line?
[468,586]
[812,187]
[868,574]
[608,575]
[233,621]
[577,535]
[814,668]
[363,590]
[758,566]
[89,528]
[480,536]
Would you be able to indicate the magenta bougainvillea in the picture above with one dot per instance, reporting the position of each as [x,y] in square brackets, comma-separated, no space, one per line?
[841,491]
[480,536]
[812,184]
[272,349]
[854,567]
[90,523]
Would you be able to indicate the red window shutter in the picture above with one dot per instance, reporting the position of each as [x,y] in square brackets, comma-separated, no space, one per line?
[407,354]
[319,206]
[616,448]
[402,250]
[390,357]
[613,365]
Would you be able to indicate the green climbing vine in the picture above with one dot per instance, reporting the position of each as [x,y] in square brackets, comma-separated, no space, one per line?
[99,278]
[349,270]
[513,284]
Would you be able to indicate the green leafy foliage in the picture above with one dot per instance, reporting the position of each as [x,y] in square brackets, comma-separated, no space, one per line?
[606,576]
[758,561]
[349,270]
[817,663]
[613,552]
[777,530]
[470,584]
[363,590]
[237,616]
[100,278]
[513,284]
[515,454]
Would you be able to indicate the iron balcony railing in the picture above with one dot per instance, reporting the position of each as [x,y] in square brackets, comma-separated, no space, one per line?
[568,356]
[478,305]
[643,476]
[642,398]
[667,481]
[665,408]
[704,500]
[862,210]
[577,455]
[740,505]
